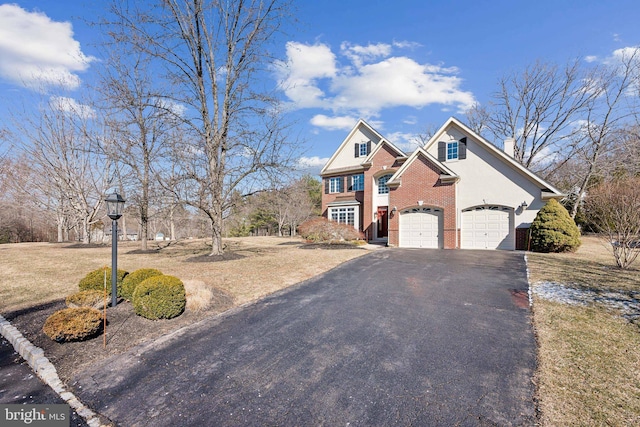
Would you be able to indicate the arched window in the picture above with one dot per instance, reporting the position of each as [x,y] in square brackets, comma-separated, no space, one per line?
[382,184]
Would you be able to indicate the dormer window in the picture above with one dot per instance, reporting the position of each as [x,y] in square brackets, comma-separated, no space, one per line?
[363,149]
[452,150]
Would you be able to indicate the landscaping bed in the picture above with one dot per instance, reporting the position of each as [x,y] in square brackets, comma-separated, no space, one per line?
[37,277]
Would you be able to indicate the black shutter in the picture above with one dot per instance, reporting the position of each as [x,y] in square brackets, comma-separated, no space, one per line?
[340,184]
[350,183]
[442,151]
[326,185]
[368,147]
[462,148]
[357,150]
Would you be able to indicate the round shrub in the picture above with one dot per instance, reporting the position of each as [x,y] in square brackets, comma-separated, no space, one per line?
[159,297]
[90,298]
[95,280]
[553,230]
[134,279]
[73,324]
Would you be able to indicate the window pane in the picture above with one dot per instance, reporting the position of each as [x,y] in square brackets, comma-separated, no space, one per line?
[452,150]
[357,182]
[382,184]
[363,150]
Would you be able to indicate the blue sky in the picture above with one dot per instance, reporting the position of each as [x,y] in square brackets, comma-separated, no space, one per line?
[402,66]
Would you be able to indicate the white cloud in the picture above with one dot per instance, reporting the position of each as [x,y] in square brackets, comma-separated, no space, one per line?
[38,52]
[406,44]
[407,142]
[174,107]
[626,53]
[305,64]
[312,162]
[71,106]
[370,80]
[591,58]
[334,123]
[360,54]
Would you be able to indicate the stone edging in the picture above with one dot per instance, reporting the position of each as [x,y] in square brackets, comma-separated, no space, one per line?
[45,370]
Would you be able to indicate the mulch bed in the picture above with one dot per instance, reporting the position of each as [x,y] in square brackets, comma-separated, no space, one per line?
[124,330]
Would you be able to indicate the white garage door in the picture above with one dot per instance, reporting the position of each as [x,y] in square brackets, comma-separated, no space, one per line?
[487,227]
[420,228]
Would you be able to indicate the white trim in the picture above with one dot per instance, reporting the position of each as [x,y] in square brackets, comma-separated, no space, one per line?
[347,205]
[448,175]
[344,142]
[495,151]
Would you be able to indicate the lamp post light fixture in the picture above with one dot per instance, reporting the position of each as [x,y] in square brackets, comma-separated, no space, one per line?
[115,204]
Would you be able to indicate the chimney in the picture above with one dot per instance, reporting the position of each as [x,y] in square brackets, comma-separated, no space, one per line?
[510,147]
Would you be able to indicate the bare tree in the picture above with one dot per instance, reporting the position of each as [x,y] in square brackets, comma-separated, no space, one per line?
[215,55]
[140,121]
[538,108]
[477,118]
[614,207]
[605,117]
[64,172]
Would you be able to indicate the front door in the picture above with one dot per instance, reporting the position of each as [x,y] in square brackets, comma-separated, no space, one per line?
[383,221]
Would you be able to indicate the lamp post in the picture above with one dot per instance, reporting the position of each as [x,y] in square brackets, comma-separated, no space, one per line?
[115,204]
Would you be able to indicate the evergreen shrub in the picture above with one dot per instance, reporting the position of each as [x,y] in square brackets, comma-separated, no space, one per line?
[553,230]
[89,298]
[159,297]
[132,280]
[73,324]
[95,280]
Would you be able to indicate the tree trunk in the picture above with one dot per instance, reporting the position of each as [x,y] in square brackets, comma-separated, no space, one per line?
[172,224]
[216,238]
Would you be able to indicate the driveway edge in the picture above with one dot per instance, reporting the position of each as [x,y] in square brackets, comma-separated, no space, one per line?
[39,363]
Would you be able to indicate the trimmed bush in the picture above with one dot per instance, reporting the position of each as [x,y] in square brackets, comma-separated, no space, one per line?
[322,230]
[73,324]
[95,280]
[159,297]
[90,298]
[553,230]
[134,279]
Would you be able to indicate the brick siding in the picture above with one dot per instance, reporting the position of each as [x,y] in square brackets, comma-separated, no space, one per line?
[421,181]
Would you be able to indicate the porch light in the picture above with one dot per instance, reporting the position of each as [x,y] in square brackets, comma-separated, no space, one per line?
[524,205]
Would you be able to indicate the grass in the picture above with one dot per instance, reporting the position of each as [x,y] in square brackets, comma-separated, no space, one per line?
[588,358]
[36,273]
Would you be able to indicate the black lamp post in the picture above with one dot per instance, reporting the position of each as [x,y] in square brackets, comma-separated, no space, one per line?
[115,204]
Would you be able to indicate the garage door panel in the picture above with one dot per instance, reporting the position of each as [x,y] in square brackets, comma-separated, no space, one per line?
[419,228]
[487,227]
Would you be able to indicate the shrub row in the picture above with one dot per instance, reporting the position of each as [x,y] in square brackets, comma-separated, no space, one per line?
[322,230]
[154,296]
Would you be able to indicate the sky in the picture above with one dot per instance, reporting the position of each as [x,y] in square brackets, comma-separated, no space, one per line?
[403,66]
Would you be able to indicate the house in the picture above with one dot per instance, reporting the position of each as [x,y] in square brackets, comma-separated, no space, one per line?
[458,191]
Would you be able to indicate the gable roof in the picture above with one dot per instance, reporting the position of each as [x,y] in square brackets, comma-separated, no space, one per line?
[367,160]
[446,174]
[554,192]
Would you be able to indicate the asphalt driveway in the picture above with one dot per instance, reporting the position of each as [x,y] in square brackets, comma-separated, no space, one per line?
[397,337]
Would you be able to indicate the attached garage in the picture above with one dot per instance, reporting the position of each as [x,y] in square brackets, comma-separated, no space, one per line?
[487,227]
[420,228]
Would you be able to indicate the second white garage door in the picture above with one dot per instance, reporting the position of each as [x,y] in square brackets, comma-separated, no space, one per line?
[487,227]
[420,228]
